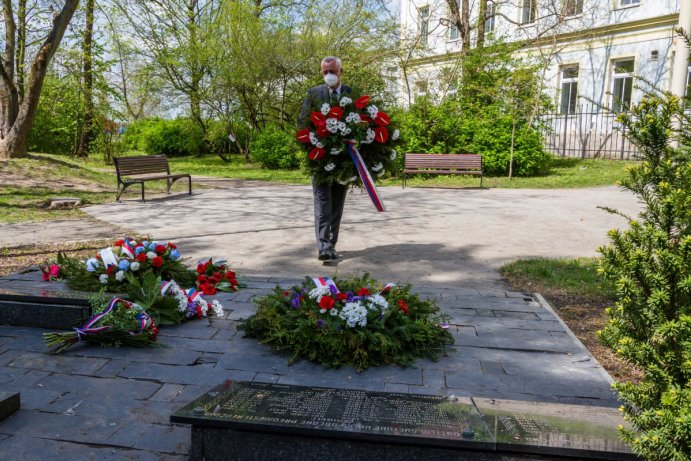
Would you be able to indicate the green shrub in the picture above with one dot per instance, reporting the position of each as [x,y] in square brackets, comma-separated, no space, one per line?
[174,138]
[650,264]
[55,125]
[274,148]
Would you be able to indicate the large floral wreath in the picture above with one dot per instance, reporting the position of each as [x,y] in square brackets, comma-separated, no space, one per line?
[334,132]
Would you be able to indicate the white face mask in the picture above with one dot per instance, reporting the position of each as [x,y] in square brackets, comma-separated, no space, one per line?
[331,80]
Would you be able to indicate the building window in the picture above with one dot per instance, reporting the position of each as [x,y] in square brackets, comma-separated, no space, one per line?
[421,87]
[423,23]
[392,78]
[490,12]
[529,11]
[622,79]
[629,2]
[572,7]
[569,89]
[453,30]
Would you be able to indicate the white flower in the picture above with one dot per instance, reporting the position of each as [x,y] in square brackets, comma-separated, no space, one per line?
[151,255]
[318,292]
[379,301]
[395,135]
[377,167]
[372,110]
[353,117]
[380,173]
[354,314]
[119,276]
[134,267]
[325,108]
[345,100]
[334,151]
[217,308]
[103,279]
[343,182]
[342,126]
[352,179]
[329,166]
[370,136]
[393,154]
[346,131]
[320,145]
[313,139]
[332,125]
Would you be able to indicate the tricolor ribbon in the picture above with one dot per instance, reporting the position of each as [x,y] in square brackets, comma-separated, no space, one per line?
[365,176]
[326,282]
[88,327]
[165,286]
[127,250]
[192,295]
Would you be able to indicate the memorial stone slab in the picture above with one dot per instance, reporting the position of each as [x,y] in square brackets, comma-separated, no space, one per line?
[9,403]
[247,417]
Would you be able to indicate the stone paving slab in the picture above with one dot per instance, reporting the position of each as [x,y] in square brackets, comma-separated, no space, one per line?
[114,403]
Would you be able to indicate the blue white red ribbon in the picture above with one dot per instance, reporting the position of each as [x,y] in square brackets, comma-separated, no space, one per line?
[326,282]
[365,176]
[88,327]
[127,250]
[192,295]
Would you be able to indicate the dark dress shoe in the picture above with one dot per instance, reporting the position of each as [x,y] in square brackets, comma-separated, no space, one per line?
[333,255]
[324,256]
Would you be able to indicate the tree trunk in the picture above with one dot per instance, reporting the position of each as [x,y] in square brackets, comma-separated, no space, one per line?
[481,18]
[18,118]
[21,47]
[513,138]
[87,131]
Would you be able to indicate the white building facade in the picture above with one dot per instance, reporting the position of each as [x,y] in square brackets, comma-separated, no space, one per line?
[590,51]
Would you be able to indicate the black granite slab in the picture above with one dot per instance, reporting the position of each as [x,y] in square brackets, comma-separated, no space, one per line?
[225,416]
[9,403]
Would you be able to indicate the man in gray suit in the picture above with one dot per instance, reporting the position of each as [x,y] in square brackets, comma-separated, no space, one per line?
[328,198]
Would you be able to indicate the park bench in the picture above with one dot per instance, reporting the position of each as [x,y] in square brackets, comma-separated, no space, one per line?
[442,164]
[139,169]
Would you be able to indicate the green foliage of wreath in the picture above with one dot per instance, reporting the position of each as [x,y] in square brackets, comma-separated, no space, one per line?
[293,321]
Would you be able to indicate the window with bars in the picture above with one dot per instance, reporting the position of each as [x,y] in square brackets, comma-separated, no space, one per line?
[622,84]
[423,24]
[629,2]
[572,7]
[569,89]
[528,11]
[489,18]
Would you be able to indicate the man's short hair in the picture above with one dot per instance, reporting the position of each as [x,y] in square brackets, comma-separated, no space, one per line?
[332,59]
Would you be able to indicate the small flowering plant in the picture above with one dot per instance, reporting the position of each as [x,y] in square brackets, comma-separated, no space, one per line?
[353,321]
[213,276]
[50,272]
[358,122]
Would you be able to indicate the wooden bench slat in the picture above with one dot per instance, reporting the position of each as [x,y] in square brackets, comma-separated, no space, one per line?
[142,168]
[468,164]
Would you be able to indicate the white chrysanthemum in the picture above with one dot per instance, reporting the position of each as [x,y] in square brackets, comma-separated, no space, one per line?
[393,155]
[370,136]
[379,301]
[329,166]
[345,100]
[103,278]
[151,255]
[313,139]
[332,125]
[334,151]
[372,110]
[203,306]
[217,308]
[120,276]
[353,117]
[318,292]
[346,132]
[325,109]
[395,135]
[134,267]
[354,314]
[378,167]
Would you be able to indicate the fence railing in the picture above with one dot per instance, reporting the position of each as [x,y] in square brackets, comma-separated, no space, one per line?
[590,132]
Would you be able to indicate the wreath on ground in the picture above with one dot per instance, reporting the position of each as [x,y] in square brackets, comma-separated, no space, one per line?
[353,321]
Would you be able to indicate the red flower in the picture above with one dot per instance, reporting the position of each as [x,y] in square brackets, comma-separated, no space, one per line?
[141,257]
[201,278]
[361,102]
[230,275]
[172,246]
[327,302]
[365,118]
[119,243]
[317,153]
[341,296]
[364,292]
[336,112]
[382,119]
[286,293]
[201,268]
[404,307]
[213,281]
[303,136]
[157,261]
[381,135]
[110,269]
[322,132]
[160,249]
[318,119]
[218,275]
[209,290]
[199,311]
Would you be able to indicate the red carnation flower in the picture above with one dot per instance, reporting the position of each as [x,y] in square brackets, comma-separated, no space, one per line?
[230,274]
[209,290]
[160,249]
[327,302]
[382,119]
[199,312]
[341,296]
[119,243]
[318,119]
[303,136]
[201,268]
[404,307]
[157,261]
[336,112]
[110,269]
[141,257]
[361,102]
[364,292]
[172,246]
[317,153]
[381,135]
[213,281]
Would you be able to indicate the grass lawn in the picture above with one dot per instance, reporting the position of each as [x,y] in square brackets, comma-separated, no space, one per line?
[579,295]
[26,185]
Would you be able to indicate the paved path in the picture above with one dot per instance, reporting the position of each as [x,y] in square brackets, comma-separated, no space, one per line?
[428,236]
[115,403]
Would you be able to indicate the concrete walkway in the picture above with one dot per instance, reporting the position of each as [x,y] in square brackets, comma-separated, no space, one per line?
[428,236]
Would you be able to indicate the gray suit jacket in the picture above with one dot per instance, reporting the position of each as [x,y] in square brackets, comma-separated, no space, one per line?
[315,98]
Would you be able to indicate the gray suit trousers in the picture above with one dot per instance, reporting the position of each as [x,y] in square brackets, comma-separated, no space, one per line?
[328,210]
